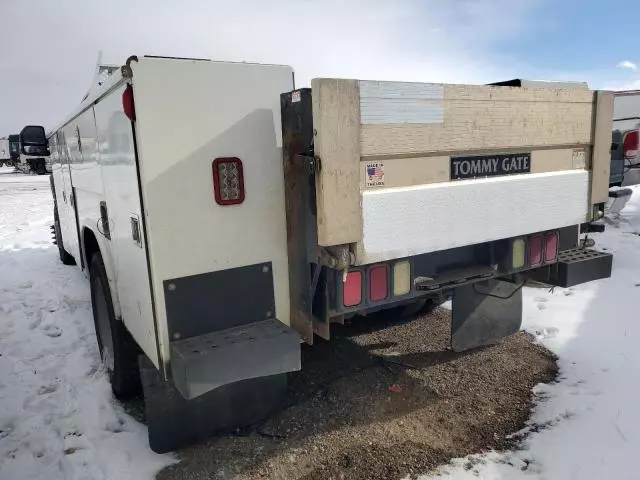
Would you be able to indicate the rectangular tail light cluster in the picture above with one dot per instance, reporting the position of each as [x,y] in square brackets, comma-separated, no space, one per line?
[376,283]
[228,181]
[386,282]
[534,250]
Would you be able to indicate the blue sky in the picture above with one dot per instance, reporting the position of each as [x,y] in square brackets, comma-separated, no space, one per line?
[46,72]
[574,33]
[574,37]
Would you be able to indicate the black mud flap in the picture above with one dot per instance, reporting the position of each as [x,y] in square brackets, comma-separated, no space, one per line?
[485,312]
[220,381]
[175,422]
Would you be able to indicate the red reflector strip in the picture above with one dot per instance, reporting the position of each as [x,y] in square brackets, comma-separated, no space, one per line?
[127,103]
[630,143]
[535,250]
[228,181]
[378,283]
[550,247]
[352,289]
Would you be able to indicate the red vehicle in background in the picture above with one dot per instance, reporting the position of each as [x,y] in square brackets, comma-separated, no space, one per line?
[625,159]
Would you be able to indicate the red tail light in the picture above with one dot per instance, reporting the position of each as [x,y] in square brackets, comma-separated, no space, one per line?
[535,250]
[550,247]
[127,103]
[228,181]
[378,283]
[352,289]
[630,143]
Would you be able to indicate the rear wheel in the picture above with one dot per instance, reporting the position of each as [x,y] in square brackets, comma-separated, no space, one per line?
[412,309]
[118,350]
[41,169]
[37,166]
[423,306]
[65,257]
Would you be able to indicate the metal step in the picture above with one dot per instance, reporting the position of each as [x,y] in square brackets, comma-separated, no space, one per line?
[580,265]
[207,362]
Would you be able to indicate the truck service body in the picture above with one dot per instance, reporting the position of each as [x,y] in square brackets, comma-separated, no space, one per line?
[223,217]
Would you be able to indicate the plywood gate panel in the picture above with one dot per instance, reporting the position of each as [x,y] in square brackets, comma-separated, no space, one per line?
[336,119]
[484,118]
[405,133]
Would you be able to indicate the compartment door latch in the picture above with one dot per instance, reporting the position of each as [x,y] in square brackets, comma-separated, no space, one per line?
[136,234]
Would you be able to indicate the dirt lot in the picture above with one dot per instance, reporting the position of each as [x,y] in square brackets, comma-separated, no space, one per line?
[382,403]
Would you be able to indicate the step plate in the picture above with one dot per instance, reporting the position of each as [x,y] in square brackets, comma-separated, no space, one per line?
[580,266]
[207,362]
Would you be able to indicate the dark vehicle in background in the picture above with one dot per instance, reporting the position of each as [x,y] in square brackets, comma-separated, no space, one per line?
[34,150]
[14,149]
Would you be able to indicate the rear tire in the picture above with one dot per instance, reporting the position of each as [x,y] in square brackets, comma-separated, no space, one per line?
[423,306]
[65,257]
[118,351]
[37,167]
[413,309]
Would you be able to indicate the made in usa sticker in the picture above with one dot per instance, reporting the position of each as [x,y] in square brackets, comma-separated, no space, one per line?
[374,173]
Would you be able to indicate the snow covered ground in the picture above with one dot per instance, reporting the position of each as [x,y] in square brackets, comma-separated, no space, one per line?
[58,419]
[586,426]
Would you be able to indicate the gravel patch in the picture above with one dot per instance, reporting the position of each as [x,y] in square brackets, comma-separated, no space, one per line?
[382,401]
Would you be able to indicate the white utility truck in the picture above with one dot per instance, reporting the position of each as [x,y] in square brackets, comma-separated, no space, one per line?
[223,217]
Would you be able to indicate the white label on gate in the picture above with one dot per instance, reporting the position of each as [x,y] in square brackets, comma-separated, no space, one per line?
[579,158]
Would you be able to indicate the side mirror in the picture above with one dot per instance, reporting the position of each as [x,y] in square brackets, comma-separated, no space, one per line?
[33,141]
